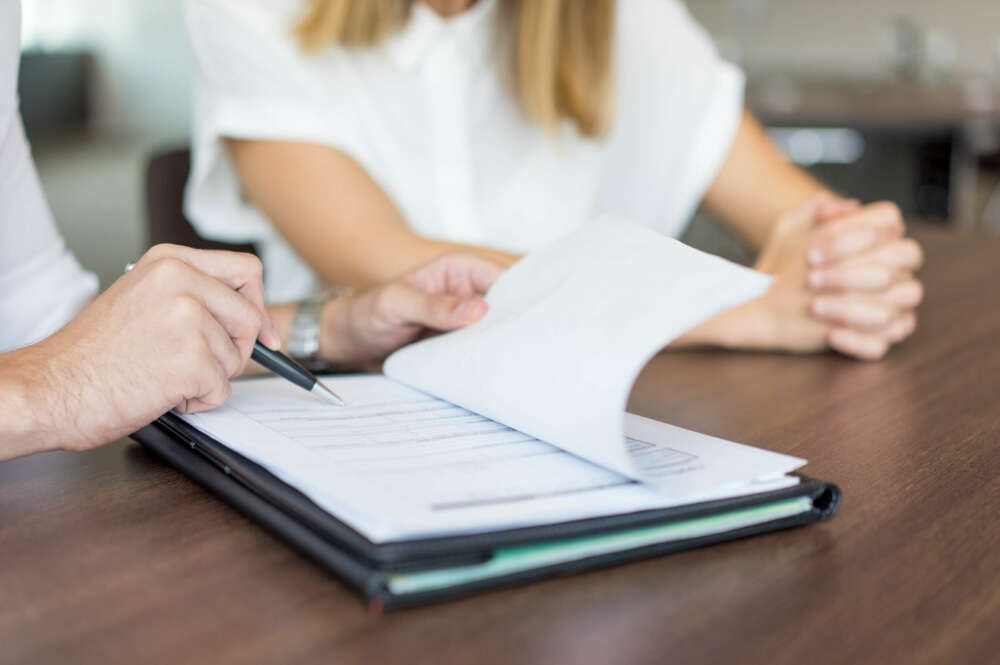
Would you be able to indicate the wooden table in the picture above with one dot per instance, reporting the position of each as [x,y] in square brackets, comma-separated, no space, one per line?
[112,557]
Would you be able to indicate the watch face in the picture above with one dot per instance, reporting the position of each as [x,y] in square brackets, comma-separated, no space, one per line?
[304,339]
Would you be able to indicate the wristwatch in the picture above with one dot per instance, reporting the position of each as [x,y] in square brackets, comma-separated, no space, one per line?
[303,341]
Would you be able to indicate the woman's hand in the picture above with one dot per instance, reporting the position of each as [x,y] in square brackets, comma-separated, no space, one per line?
[844,278]
[445,294]
[861,269]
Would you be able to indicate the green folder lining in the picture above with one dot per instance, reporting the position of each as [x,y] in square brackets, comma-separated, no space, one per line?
[508,560]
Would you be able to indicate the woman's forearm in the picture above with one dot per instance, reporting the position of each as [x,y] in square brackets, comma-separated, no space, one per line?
[333,214]
[757,185]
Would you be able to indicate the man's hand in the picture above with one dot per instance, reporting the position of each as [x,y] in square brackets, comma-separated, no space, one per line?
[443,295]
[169,334]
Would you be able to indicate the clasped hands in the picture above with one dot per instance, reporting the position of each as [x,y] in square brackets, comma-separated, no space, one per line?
[844,279]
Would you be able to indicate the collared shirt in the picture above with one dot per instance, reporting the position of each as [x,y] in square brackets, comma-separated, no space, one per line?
[429,116]
[41,284]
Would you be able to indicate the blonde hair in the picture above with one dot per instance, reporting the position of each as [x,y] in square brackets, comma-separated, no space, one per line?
[559,51]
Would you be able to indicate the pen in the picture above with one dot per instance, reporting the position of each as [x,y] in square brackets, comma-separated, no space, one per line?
[288,369]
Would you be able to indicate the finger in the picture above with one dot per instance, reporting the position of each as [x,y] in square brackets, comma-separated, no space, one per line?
[876,269]
[239,271]
[407,305]
[863,230]
[809,212]
[221,346]
[241,319]
[831,210]
[905,254]
[457,274]
[857,344]
[855,277]
[853,311]
[214,389]
[904,295]
[480,272]
[901,328]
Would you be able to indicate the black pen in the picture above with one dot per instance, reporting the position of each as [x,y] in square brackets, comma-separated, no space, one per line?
[288,369]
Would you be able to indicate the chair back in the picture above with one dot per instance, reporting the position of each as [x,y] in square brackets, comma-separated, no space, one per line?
[166,177]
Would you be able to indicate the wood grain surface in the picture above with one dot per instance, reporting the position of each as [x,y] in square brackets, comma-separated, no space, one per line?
[110,556]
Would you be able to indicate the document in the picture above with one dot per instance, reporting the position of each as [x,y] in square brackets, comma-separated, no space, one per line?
[568,331]
[520,418]
[399,464]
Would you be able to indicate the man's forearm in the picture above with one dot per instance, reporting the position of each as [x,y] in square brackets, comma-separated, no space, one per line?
[21,428]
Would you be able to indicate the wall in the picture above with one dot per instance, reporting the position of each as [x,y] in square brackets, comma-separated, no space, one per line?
[852,38]
[142,86]
[143,58]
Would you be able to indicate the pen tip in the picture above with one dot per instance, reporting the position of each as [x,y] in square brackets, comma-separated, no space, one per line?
[323,392]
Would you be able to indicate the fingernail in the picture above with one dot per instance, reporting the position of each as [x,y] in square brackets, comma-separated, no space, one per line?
[816,279]
[469,310]
[855,242]
[815,256]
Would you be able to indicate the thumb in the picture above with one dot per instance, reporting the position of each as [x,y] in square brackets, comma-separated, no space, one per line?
[438,311]
[835,208]
[809,212]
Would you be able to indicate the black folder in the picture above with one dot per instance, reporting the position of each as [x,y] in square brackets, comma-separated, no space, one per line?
[374,569]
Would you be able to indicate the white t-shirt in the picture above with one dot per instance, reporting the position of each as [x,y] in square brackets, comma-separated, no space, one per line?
[428,116]
[41,284]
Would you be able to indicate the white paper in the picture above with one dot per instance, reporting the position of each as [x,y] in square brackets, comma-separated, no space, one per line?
[396,463]
[569,330]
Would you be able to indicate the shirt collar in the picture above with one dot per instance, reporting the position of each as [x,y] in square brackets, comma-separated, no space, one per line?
[426,29]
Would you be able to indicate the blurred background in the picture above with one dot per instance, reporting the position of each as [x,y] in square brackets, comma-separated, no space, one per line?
[896,100]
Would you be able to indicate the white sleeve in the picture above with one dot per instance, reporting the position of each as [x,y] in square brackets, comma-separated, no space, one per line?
[251,82]
[41,284]
[678,107]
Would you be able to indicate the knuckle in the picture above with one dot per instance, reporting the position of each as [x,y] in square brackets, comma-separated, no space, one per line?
[154,253]
[211,378]
[878,350]
[880,316]
[387,297]
[198,361]
[890,213]
[224,392]
[254,266]
[232,363]
[167,270]
[185,310]
[887,277]
[255,320]
[916,252]
[160,251]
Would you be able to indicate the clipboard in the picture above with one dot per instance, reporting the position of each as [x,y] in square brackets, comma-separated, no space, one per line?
[414,572]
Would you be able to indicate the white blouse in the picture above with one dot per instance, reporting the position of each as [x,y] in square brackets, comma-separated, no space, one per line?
[428,116]
[41,284]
